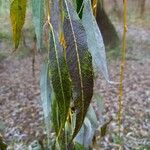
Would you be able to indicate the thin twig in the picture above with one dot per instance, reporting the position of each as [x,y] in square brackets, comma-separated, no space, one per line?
[122,67]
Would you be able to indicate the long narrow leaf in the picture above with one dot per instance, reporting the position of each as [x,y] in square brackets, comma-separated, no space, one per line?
[86,133]
[60,79]
[38,19]
[46,94]
[55,15]
[79,62]
[17,16]
[95,40]
[79,7]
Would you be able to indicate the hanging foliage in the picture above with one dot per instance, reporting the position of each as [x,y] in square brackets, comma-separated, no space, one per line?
[75,52]
[79,62]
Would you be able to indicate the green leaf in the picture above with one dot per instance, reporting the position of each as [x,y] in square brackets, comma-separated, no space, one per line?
[104,128]
[91,115]
[78,146]
[79,4]
[17,16]
[79,62]
[46,94]
[95,40]
[60,79]
[3,145]
[85,134]
[55,116]
[38,19]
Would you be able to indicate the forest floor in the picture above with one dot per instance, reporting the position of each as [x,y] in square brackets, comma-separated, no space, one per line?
[21,115]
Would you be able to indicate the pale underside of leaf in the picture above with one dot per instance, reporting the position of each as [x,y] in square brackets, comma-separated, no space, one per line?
[38,19]
[17,16]
[95,40]
[85,135]
[46,94]
[79,62]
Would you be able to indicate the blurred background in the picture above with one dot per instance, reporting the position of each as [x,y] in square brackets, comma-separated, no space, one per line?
[21,116]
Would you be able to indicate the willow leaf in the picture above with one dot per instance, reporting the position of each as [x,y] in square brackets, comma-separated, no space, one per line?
[79,7]
[46,94]
[104,128]
[17,16]
[55,14]
[95,40]
[86,133]
[79,62]
[55,116]
[38,19]
[60,79]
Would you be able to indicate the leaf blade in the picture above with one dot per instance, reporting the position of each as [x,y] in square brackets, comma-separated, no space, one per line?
[60,79]
[79,63]
[95,40]
[17,16]
[38,19]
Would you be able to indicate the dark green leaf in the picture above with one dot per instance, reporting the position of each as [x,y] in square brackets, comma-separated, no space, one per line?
[104,128]
[60,79]
[17,16]
[38,19]
[79,62]
[79,4]
[55,116]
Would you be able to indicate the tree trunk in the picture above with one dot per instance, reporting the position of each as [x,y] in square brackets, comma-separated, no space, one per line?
[109,34]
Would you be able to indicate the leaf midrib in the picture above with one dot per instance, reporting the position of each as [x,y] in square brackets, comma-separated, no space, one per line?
[59,72]
[78,58]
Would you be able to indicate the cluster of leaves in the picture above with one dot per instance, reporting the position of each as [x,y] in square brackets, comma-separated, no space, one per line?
[75,53]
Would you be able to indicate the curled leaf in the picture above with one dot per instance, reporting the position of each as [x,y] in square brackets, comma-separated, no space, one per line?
[46,94]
